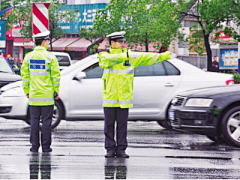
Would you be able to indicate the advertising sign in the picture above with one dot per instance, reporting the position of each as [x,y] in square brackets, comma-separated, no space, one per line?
[2,36]
[228,58]
[85,17]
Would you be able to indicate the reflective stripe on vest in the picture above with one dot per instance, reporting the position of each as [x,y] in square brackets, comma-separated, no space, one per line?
[158,58]
[110,101]
[153,58]
[41,99]
[133,55]
[28,58]
[112,59]
[112,55]
[39,73]
[56,79]
[56,84]
[25,79]
[49,57]
[126,72]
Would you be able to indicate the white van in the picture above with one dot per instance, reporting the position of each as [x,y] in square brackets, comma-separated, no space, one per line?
[64,59]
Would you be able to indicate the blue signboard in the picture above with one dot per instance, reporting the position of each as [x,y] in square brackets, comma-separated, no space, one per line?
[85,17]
[2,50]
[228,58]
[2,35]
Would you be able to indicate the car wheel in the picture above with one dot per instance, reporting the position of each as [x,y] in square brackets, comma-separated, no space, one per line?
[57,115]
[165,124]
[231,126]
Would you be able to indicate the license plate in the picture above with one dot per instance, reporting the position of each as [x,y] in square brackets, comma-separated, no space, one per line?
[171,115]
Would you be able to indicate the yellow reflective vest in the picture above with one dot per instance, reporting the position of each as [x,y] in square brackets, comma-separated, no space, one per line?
[41,76]
[118,74]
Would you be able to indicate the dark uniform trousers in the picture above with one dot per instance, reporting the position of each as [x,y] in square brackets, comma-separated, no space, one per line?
[45,113]
[121,117]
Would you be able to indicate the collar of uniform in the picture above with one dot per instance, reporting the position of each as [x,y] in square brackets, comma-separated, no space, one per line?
[115,51]
[40,48]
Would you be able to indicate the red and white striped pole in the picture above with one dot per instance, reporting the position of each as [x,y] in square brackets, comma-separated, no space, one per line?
[40,17]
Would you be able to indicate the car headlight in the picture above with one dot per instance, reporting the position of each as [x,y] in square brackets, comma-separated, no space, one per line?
[199,102]
[14,92]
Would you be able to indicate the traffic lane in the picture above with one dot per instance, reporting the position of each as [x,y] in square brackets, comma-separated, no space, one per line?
[78,153]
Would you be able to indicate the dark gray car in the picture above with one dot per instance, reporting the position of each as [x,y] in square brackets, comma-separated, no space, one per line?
[213,111]
[6,73]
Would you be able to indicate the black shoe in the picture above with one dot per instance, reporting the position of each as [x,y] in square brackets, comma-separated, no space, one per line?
[47,150]
[33,149]
[110,154]
[122,155]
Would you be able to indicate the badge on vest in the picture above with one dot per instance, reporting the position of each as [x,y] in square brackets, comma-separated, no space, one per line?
[127,63]
[37,64]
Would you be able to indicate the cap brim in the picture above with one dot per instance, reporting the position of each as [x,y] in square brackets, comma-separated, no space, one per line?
[121,40]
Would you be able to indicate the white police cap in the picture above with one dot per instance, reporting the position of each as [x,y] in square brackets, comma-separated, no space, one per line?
[117,36]
[41,36]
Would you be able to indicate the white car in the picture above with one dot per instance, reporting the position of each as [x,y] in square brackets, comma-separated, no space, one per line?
[81,91]
[64,59]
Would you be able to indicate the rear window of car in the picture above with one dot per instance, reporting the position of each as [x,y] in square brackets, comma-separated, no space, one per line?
[63,60]
[171,69]
[150,70]
[4,66]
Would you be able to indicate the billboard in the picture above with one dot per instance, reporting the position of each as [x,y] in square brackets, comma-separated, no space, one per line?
[2,36]
[85,17]
[229,58]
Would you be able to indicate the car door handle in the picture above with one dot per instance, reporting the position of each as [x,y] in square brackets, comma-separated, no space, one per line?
[169,85]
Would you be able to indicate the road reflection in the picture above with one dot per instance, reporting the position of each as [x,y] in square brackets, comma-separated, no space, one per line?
[115,168]
[40,163]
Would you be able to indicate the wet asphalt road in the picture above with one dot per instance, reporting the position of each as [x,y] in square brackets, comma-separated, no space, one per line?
[78,153]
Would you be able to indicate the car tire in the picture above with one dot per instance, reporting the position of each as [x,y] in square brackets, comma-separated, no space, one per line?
[217,139]
[230,126]
[57,115]
[165,124]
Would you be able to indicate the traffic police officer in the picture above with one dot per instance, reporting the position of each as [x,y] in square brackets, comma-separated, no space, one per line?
[41,79]
[118,75]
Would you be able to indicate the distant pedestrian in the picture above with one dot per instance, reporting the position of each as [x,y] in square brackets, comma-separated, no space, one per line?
[215,65]
[41,78]
[9,60]
[118,75]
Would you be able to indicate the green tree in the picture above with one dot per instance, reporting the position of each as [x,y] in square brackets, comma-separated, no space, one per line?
[210,15]
[144,21]
[5,4]
[91,35]
[21,12]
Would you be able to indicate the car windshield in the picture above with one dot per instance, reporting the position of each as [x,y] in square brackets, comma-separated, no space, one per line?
[4,66]
[63,60]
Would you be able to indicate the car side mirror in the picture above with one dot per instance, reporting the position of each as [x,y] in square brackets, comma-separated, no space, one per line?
[80,76]
[15,69]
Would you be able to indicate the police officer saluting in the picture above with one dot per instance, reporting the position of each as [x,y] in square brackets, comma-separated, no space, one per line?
[118,75]
[41,78]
